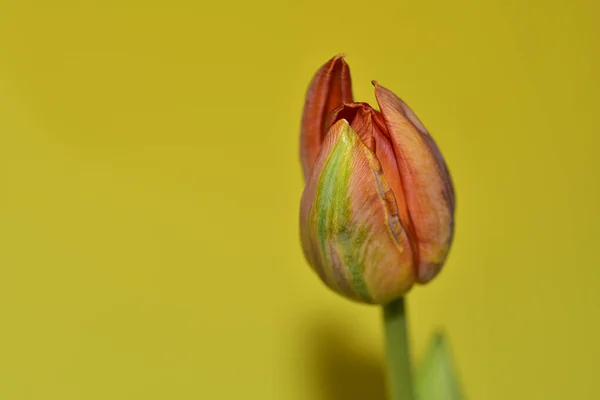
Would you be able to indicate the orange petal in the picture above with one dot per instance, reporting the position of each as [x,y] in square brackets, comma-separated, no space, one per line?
[386,156]
[330,87]
[426,183]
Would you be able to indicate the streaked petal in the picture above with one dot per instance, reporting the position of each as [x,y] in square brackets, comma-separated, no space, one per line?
[351,231]
[370,127]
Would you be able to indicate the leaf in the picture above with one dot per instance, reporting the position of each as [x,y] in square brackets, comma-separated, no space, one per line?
[436,377]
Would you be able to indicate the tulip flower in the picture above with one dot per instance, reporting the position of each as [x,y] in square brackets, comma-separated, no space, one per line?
[377,214]
[377,211]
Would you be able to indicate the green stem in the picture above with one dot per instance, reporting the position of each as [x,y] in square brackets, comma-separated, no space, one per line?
[399,376]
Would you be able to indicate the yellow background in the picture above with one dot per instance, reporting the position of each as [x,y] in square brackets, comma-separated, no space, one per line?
[149,190]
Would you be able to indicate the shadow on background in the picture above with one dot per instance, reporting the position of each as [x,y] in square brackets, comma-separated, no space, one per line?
[344,370]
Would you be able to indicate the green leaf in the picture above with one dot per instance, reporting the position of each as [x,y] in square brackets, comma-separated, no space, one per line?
[436,378]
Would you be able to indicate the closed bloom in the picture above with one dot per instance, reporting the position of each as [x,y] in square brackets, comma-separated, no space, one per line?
[377,212]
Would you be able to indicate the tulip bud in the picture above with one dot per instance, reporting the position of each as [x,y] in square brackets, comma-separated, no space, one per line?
[377,210]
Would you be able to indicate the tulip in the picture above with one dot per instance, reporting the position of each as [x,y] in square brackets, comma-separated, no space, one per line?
[377,211]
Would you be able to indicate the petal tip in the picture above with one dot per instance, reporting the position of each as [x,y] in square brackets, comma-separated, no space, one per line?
[346,134]
[340,57]
[341,124]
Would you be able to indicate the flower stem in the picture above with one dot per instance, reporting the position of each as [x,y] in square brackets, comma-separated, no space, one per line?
[399,376]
